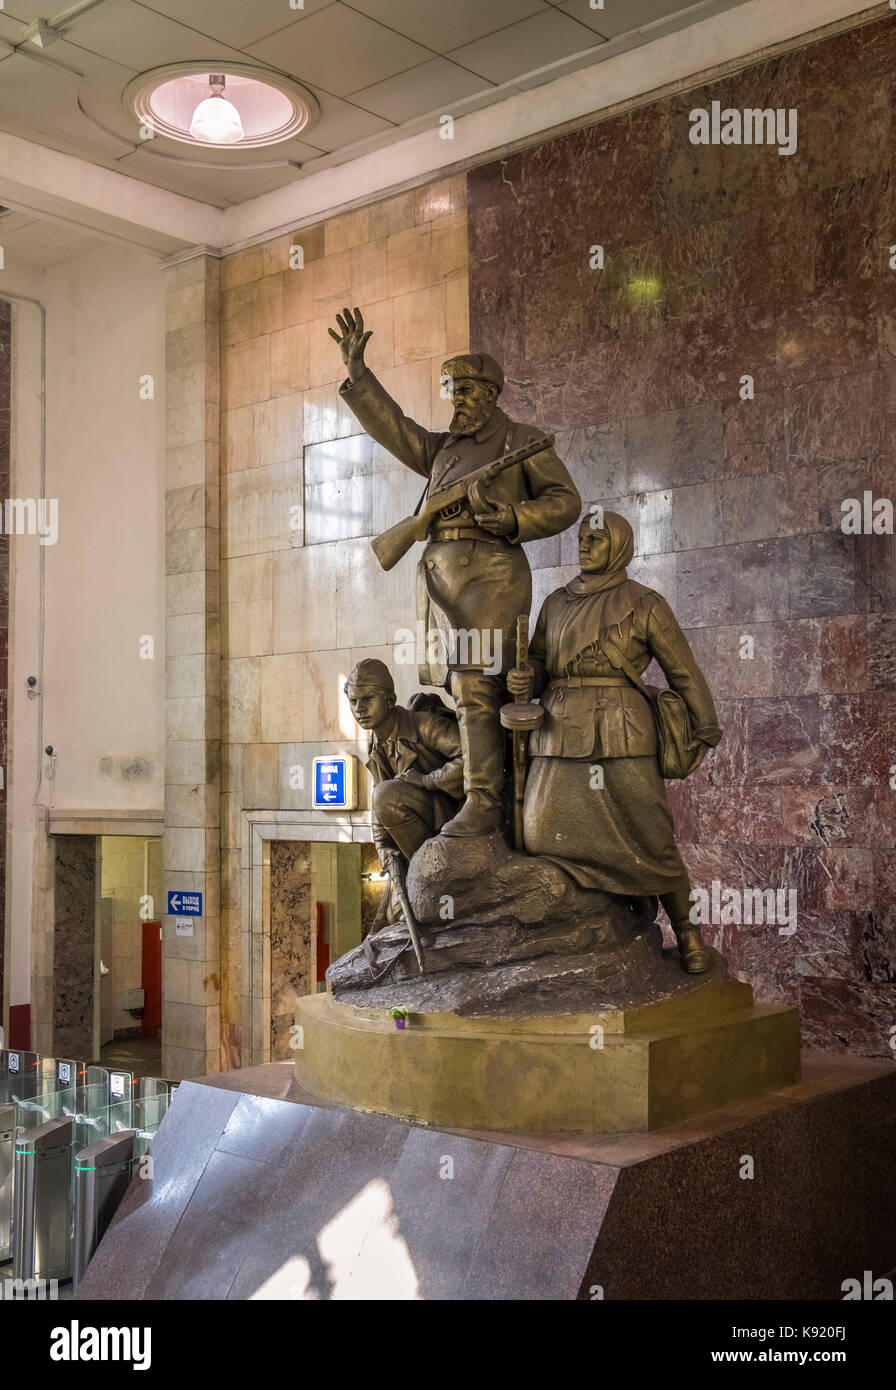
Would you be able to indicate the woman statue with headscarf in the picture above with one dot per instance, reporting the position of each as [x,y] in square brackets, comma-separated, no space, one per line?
[595,797]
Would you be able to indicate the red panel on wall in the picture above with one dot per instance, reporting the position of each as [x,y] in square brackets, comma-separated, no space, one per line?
[151,979]
[19,1026]
[323,946]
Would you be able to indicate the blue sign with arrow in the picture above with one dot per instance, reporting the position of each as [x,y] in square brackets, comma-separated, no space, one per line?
[185,904]
[329,782]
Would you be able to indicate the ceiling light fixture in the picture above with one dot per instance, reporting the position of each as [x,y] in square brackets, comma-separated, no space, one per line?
[181,102]
[216,120]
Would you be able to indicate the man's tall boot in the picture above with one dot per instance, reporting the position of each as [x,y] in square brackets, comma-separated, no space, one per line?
[478,699]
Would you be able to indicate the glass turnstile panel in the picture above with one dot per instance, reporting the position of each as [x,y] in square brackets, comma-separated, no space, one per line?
[150,1106]
[57,1097]
[91,1107]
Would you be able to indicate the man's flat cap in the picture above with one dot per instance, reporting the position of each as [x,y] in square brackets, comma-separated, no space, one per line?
[478,366]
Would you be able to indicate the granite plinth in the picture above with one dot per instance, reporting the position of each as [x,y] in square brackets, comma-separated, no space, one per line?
[260,1191]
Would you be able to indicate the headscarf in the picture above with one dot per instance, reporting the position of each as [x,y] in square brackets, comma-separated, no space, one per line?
[622,548]
[595,603]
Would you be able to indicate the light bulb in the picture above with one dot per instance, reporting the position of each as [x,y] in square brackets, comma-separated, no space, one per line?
[216,120]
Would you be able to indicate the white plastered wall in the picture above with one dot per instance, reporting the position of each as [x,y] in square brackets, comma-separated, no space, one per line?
[100,705]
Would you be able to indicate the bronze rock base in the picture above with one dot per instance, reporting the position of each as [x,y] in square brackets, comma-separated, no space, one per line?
[506,934]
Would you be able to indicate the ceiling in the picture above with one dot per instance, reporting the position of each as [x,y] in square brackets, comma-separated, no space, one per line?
[37,242]
[380,70]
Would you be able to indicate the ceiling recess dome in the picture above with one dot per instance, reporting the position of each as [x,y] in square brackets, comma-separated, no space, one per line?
[271,107]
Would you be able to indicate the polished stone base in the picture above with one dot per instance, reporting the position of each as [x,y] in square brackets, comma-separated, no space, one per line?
[259,1191]
[623,1068]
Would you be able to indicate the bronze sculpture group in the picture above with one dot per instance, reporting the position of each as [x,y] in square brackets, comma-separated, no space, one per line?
[590,758]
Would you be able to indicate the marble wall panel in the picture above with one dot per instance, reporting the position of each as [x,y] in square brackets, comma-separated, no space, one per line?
[292,959]
[5,387]
[75,893]
[302,492]
[726,381]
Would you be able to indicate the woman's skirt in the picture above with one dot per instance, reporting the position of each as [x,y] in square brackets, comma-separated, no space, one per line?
[619,837]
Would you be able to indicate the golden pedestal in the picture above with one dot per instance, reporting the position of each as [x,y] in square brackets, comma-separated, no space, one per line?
[612,1071]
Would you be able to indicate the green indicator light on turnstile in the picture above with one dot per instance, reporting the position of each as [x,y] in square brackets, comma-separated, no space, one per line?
[26,1152]
[79,1169]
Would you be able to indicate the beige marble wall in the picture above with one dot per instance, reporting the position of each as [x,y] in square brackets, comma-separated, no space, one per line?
[191,965]
[296,616]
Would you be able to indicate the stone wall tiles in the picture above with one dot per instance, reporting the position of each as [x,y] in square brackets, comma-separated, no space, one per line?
[191,1025]
[726,381]
[302,596]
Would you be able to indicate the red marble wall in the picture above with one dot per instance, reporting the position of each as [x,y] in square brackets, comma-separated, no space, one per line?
[722,261]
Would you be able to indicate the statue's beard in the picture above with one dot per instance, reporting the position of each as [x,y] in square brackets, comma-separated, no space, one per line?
[467,420]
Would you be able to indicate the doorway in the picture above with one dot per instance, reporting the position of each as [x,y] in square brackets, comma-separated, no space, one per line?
[317,902]
[128,967]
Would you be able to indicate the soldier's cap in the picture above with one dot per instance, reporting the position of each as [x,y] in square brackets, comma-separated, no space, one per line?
[370,671]
[475,366]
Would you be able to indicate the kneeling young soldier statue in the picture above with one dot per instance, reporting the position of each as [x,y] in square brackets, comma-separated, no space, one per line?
[414,764]
[474,568]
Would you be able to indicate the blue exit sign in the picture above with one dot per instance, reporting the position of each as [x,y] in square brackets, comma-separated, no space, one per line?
[334,783]
[185,904]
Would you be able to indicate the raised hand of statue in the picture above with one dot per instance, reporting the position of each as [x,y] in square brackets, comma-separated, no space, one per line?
[352,341]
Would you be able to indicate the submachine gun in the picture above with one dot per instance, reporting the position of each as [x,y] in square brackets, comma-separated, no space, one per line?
[448,502]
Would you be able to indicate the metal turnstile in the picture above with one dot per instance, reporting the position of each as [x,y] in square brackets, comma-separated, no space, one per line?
[71,1136]
[7,1143]
[42,1207]
[102,1174]
[20,1077]
[47,1125]
[104,1168]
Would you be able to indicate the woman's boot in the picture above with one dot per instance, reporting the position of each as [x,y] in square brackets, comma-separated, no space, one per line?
[695,955]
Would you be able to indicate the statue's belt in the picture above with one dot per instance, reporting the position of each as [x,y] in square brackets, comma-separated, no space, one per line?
[560,681]
[464,533]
